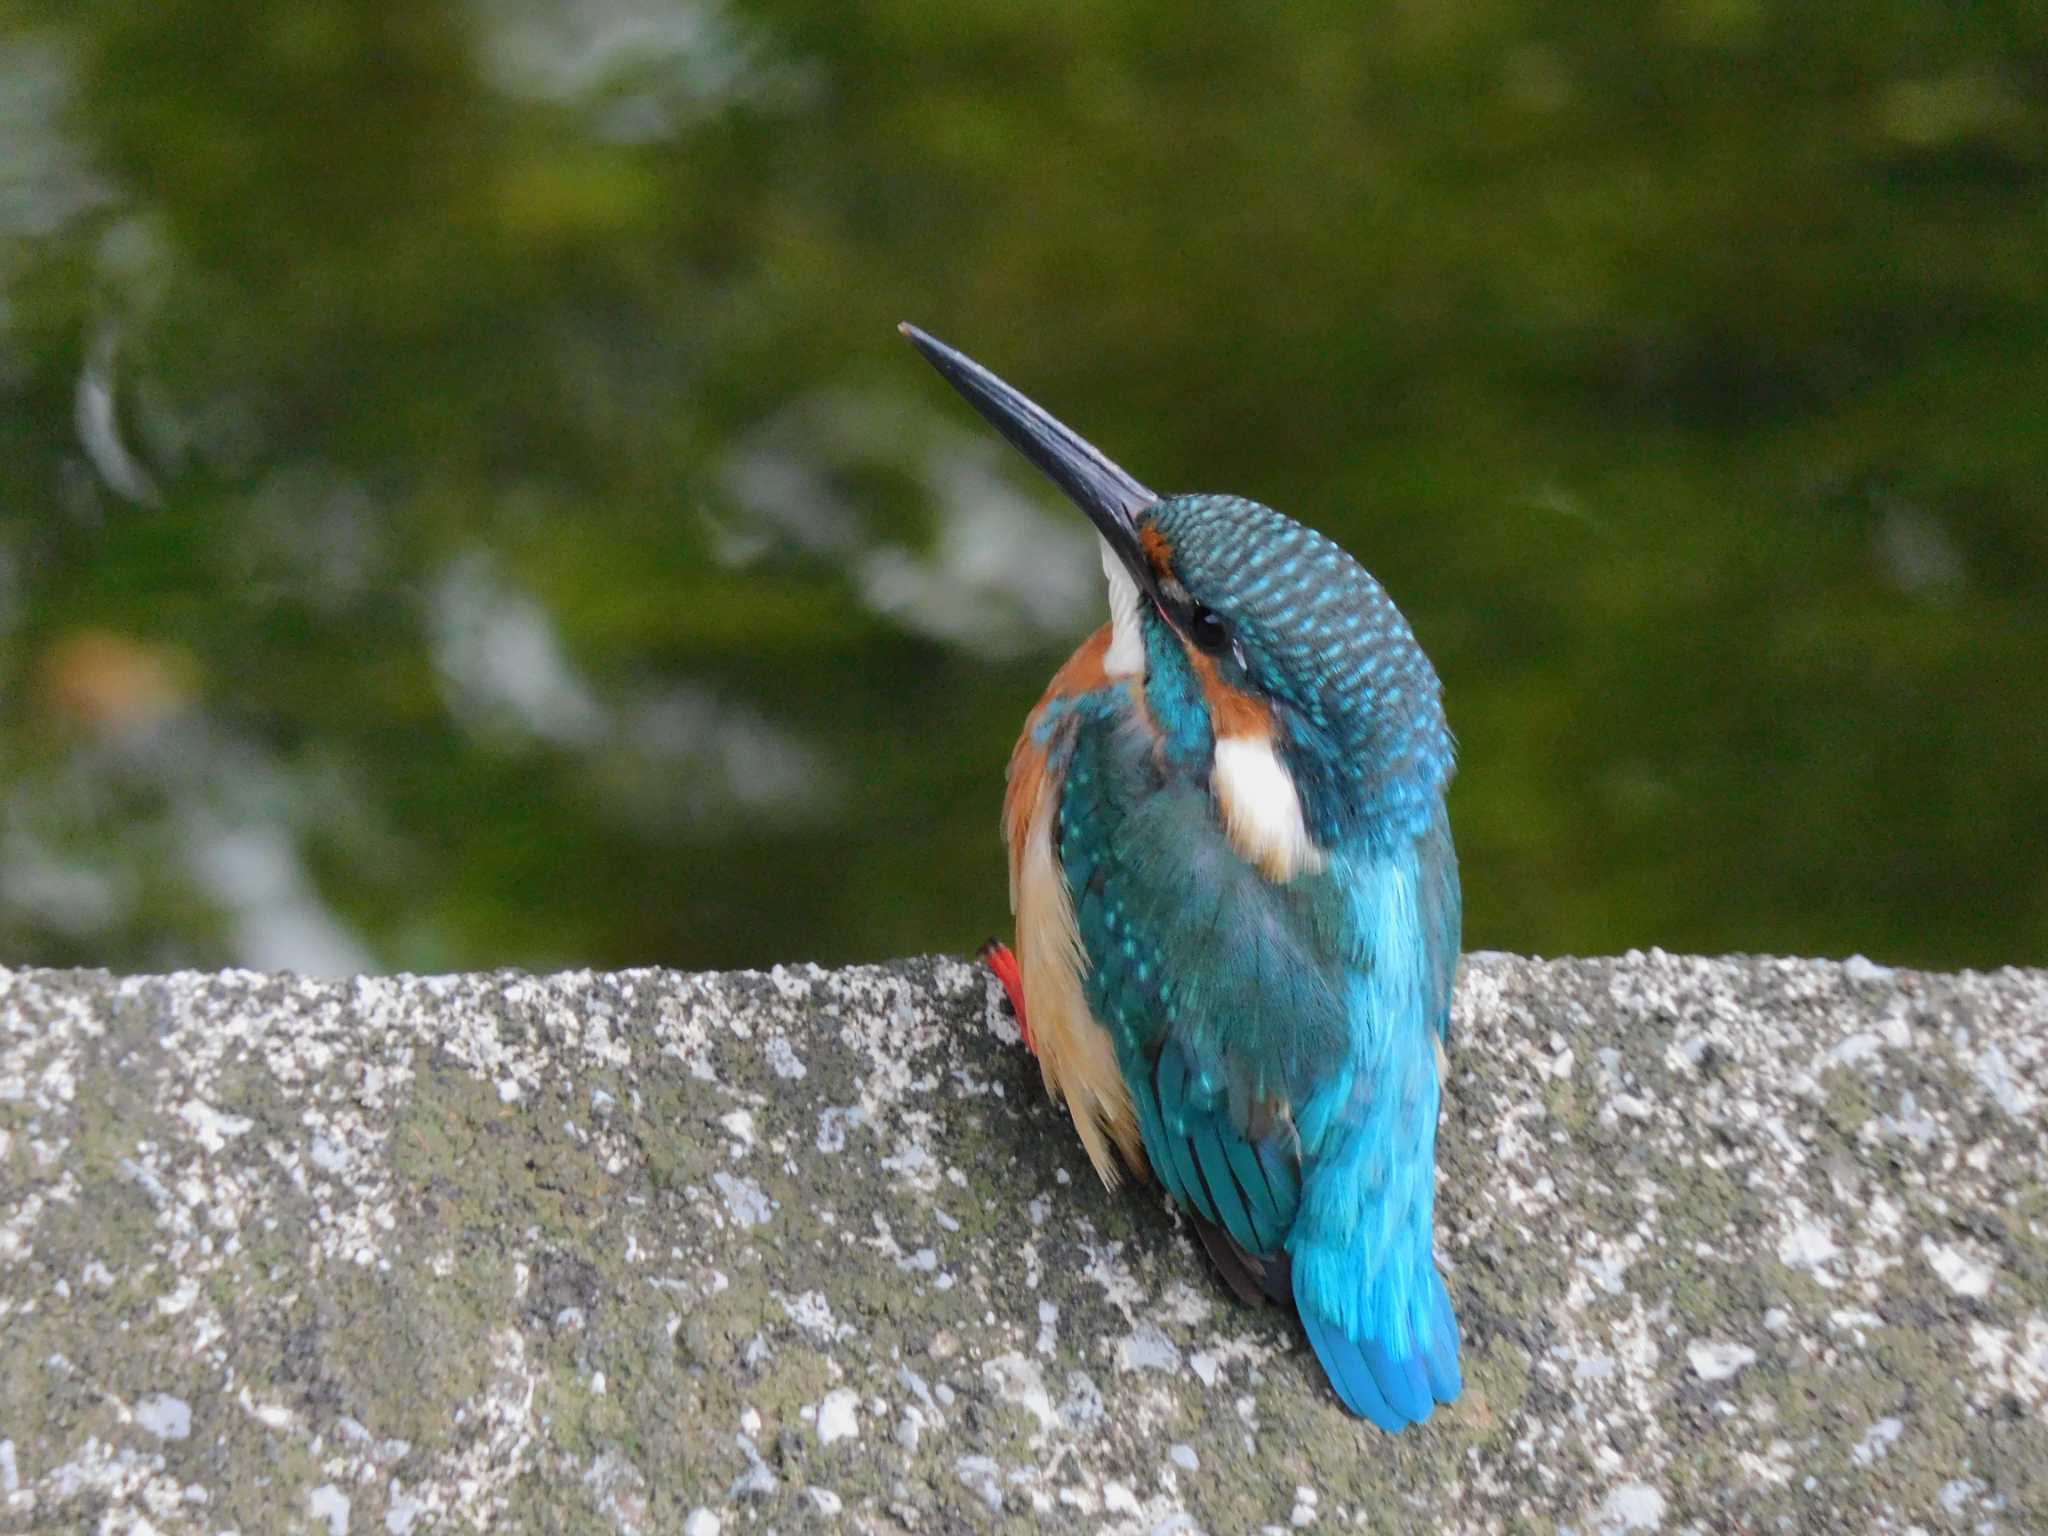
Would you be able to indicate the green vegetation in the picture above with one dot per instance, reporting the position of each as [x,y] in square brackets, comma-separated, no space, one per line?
[463,500]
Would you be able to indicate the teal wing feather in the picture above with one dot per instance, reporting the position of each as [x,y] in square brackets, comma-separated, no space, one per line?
[1279,1096]
[1441,905]
[1219,989]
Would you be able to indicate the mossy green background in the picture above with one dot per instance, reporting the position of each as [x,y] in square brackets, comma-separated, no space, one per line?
[1679,368]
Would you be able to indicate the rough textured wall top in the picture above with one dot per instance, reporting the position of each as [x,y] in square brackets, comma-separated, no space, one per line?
[1740,1245]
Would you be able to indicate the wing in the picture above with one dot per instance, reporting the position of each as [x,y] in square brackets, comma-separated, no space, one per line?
[1278,1044]
[1235,1004]
[1226,996]
[1441,912]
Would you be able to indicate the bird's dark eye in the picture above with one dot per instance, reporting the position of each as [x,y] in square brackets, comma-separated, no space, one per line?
[1207,630]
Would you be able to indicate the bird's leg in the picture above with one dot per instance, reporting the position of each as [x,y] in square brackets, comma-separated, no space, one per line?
[998,957]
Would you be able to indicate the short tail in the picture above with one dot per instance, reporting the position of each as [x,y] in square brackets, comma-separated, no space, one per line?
[1391,1390]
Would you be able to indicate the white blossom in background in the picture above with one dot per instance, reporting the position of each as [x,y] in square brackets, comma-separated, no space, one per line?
[501,663]
[676,754]
[46,179]
[95,414]
[67,894]
[1005,571]
[276,919]
[225,833]
[642,70]
[714,756]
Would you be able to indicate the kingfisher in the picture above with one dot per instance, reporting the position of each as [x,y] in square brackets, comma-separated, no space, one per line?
[1237,905]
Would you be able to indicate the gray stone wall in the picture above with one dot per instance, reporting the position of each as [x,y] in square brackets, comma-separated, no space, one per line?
[1739,1244]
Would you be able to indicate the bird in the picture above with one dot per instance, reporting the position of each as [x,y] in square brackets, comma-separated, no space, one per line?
[1237,905]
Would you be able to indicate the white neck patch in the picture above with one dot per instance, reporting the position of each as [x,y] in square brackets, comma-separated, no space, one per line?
[1261,808]
[1126,654]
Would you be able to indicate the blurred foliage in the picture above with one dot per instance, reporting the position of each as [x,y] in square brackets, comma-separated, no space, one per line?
[463,500]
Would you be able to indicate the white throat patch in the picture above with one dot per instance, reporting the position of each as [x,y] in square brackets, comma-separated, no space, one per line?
[1126,654]
[1261,808]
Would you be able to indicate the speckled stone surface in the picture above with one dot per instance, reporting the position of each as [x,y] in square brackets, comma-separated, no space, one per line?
[1740,1244]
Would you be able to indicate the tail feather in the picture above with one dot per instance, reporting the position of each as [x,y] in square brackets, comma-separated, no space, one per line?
[1392,1391]
[1440,1359]
[1401,1378]
[1351,1374]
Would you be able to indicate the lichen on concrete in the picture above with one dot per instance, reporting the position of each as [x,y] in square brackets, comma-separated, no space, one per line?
[1739,1245]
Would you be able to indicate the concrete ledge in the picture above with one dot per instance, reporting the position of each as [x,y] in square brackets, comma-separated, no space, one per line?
[1739,1244]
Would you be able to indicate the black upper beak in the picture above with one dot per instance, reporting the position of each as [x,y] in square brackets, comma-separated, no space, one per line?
[1111,498]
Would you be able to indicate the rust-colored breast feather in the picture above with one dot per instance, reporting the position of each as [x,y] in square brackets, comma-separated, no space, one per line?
[1074,1052]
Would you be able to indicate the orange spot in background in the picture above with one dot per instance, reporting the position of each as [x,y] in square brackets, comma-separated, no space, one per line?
[111,682]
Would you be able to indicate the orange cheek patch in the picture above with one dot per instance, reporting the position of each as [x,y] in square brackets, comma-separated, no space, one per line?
[1231,712]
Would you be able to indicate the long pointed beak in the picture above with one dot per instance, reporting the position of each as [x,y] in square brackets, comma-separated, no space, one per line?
[1111,498]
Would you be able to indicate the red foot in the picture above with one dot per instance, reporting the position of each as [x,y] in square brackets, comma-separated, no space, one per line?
[998,958]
